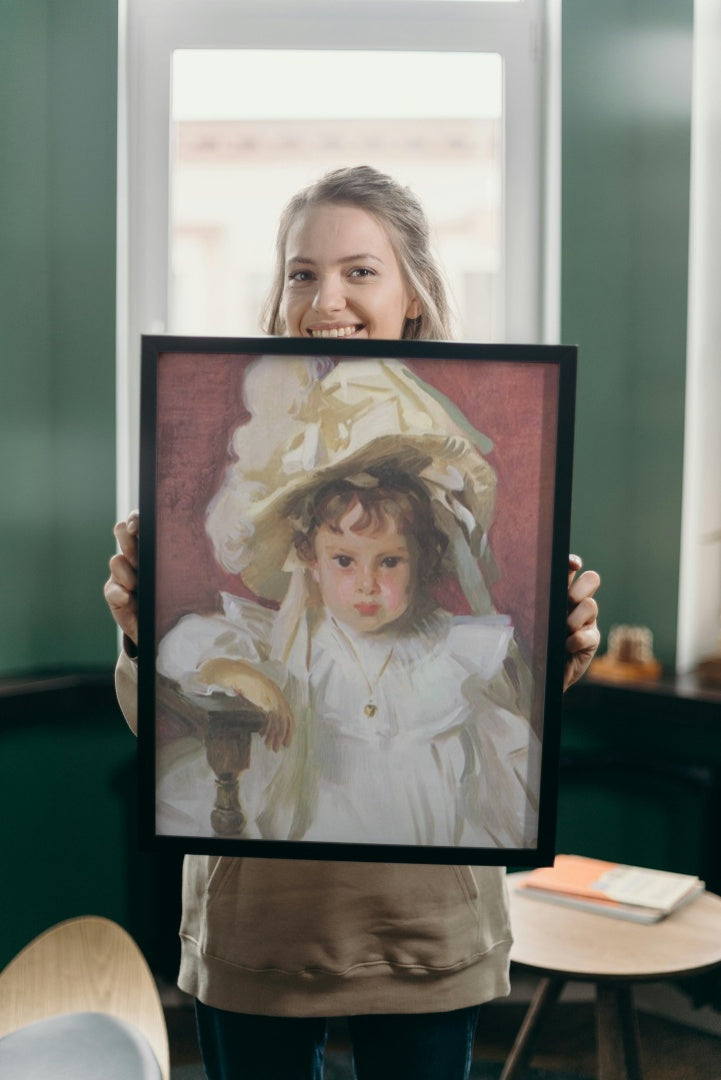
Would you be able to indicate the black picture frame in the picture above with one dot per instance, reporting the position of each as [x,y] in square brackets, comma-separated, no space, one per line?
[201,757]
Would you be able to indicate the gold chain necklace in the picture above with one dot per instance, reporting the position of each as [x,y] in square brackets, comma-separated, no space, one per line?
[370,708]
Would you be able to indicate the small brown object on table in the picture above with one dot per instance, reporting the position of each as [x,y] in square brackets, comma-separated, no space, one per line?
[563,944]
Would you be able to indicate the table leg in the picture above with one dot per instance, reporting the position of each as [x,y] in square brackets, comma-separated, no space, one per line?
[545,997]
[617,1033]
[227,746]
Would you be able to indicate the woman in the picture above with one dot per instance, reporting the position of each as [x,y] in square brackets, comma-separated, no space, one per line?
[271,948]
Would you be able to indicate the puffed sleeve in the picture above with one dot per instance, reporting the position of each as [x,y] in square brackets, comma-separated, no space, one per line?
[488,651]
[241,632]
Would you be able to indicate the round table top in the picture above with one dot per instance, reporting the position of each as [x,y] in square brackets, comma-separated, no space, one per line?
[559,940]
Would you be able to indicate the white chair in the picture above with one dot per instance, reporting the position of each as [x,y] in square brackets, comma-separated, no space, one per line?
[80,1002]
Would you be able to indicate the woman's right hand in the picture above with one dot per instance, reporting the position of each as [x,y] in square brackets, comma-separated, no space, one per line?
[121,587]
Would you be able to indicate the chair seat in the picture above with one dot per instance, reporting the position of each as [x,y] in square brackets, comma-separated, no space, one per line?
[78,1046]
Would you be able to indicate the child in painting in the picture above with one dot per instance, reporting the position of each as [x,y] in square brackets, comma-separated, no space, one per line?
[396,722]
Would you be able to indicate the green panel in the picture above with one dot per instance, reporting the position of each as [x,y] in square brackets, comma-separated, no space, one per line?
[57,326]
[62,784]
[83,132]
[626,146]
[642,779]
[69,785]
[82,302]
[624,816]
[26,482]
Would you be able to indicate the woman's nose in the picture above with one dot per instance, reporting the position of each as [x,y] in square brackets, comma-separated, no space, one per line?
[329,295]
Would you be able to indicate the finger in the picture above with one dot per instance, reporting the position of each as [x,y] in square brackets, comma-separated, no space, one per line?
[123,572]
[278,729]
[575,563]
[271,732]
[584,641]
[123,608]
[116,596]
[265,730]
[585,585]
[583,614]
[582,649]
[127,542]
[126,534]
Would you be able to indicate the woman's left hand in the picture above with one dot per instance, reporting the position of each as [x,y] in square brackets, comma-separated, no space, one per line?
[583,636]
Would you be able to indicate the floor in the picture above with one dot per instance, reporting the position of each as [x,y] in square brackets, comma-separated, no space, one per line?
[669,1051]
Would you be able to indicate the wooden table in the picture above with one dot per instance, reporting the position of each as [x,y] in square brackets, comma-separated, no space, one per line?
[563,944]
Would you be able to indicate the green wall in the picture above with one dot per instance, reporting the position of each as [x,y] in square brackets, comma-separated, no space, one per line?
[58,73]
[626,145]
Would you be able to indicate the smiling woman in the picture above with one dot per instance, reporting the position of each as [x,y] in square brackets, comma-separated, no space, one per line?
[353,259]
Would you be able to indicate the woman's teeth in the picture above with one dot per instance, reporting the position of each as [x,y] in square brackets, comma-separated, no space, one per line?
[337,331]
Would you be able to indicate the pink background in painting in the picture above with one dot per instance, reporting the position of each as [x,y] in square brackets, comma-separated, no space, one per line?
[200,403]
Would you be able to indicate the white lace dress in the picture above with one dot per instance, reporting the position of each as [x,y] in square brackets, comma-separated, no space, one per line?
[402,738]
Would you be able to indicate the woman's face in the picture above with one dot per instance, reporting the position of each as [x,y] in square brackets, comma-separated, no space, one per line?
[342,277]
[366,579]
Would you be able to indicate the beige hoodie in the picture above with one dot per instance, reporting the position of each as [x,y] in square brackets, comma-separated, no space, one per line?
[301,938]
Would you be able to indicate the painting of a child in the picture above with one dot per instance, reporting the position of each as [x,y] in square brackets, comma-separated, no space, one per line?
[387,718]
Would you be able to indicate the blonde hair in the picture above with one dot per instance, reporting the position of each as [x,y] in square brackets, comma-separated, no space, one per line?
[403,217]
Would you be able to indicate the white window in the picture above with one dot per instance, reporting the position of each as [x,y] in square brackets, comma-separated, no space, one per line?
[699,622]
[227,107]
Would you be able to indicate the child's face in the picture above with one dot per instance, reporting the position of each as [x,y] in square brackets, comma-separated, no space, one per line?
[366,579]
[342,277]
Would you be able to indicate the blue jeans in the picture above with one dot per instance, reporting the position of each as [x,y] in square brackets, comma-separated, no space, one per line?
[414,1046]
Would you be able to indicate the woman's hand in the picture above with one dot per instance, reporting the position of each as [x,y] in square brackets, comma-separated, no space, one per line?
[583,636]
[259,690]
[121,587]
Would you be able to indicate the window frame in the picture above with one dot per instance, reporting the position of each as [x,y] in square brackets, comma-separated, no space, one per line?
[526,34]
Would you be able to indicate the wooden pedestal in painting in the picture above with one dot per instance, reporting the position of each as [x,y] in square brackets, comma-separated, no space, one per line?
[225,725]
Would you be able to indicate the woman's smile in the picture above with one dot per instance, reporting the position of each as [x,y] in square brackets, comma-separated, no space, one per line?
[335,331]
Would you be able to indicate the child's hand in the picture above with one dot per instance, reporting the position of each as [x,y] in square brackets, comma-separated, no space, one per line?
[583,636]
[120,589]
[260,691]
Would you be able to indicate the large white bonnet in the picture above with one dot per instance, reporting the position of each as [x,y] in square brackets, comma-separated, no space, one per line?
[312,423]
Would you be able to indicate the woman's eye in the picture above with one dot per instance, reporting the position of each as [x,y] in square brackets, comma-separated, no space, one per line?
[343,560]
[391,561]
[362,272]
[300,276]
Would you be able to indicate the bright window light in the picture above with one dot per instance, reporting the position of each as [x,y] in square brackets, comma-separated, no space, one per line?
[434,121]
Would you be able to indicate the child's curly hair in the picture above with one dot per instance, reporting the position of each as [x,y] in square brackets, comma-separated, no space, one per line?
[384,496]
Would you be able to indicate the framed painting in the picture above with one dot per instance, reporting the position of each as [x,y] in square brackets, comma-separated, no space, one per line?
[352,597]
